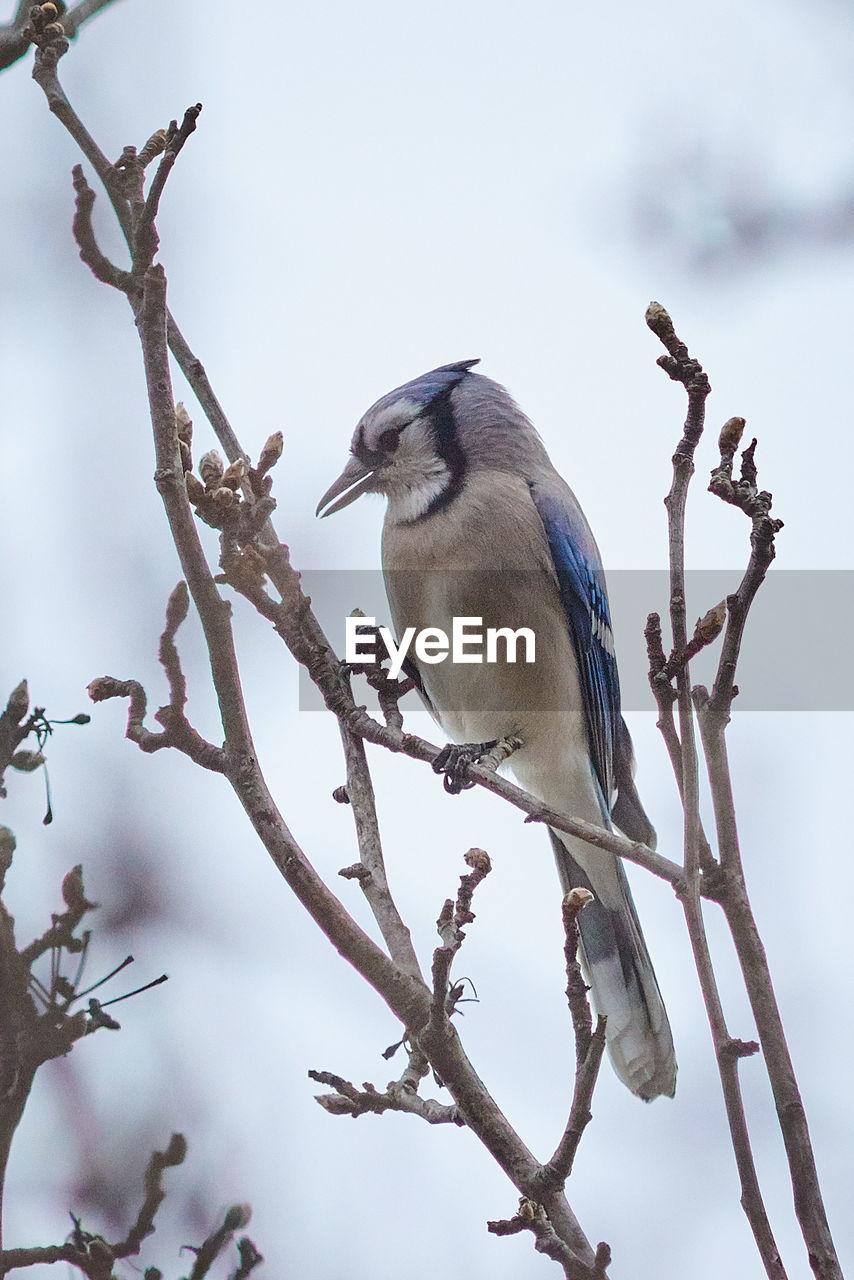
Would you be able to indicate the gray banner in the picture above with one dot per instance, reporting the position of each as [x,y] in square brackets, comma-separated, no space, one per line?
[795,656]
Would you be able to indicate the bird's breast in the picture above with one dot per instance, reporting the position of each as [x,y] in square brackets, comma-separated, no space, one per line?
[485,558]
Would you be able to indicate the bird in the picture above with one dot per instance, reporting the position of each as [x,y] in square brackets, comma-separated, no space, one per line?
[480,525]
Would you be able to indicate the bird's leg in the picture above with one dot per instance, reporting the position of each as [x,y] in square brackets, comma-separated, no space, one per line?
[454,759]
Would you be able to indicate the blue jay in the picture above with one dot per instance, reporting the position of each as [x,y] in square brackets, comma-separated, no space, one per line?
[480,525]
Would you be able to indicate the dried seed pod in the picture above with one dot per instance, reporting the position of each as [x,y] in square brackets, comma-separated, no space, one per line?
[211,469]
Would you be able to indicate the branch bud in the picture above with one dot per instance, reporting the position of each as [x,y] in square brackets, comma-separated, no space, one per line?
[18,704]
[234,476]
[271,453]
[211,469]
[27,761]
[730,437]
[710,626]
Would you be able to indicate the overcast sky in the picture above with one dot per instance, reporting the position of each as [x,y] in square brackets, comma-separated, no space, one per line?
[373,190]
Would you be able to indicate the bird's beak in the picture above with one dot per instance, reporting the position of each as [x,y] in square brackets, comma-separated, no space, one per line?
[353,481]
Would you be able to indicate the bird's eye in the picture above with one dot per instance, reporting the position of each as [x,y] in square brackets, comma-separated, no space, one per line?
[388,441]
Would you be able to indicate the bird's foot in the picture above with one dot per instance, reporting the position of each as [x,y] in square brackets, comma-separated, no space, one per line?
[453,760]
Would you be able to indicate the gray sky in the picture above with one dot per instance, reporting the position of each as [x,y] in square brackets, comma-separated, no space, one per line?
[374,190]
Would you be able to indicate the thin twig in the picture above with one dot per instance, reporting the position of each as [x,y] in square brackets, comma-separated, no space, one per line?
[589,1046]
[350,1101]
[713,714]
[160,1161]
[682,368]
[531,1216]
[374,885]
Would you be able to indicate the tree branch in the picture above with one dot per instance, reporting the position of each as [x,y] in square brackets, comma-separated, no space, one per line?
[713,714]
[589,1046]
[679,365]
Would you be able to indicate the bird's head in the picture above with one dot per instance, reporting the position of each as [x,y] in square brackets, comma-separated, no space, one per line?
[405,447]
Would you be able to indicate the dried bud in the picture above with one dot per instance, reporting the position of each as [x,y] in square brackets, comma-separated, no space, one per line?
[579,898]
[183,422]
[186,456]
[7,848]
[246,567]
[211,469]
[177,607]
[730,437]
[27,761]
[19,702]
[658,320]
[271,453]
[176,1152]
[48,12]
[102,688]
[156,144]
[235,474]
[72,891]
[223,498]
[195,489]
[478,860]
[710,626]
[237,1217]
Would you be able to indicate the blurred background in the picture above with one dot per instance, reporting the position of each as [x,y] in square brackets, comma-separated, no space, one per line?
[373,190]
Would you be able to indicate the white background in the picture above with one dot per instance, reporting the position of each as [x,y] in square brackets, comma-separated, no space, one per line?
[375,189]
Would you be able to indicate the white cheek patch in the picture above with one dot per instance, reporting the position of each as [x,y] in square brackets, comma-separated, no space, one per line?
[411,502]
[416,477]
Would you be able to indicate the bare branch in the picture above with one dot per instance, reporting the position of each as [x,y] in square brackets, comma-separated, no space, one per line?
[51,45]
[13,1259]
[206,1255]
[589,1046]
[452,917]
[249,1256]
[145,233]
[80,13]
[683,369]
[84,235]
[374,885]
[399,1096]
[531,1216]
[160,1161]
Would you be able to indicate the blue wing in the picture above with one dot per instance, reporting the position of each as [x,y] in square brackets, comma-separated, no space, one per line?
[585,602]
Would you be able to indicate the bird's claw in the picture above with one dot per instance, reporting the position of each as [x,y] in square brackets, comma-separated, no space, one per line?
[453,763]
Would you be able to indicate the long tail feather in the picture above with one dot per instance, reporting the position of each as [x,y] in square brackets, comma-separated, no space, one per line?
[623,986]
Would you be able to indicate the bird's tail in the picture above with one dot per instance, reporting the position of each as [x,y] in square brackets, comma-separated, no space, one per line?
[617,967]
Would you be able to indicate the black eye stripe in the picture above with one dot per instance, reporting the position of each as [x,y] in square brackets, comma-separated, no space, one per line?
[389,440]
